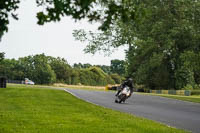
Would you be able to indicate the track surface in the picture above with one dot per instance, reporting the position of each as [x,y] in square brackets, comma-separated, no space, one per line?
[179,114]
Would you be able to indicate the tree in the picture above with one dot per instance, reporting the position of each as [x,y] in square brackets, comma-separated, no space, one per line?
[118,34]
[7,8]
[27,66]
[78,66]
[95,76]
[105,68]
[159,36]
[75,77]
[37,69]
[11,69]
[116,78]
[166,32]
[43,73]
[47,70]
[1,56]
[104,11]
[61,68]
[81,66]
[118,66]
[87,65]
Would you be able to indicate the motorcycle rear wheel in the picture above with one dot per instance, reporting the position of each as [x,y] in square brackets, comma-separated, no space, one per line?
[123,98]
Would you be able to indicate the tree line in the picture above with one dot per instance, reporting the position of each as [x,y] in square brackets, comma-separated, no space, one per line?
[163,41]
[44,69]
[162,35]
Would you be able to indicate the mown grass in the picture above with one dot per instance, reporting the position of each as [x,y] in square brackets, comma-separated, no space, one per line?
[27,109]
[195,99]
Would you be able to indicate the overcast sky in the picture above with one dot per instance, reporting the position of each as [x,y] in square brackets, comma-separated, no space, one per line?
[25,38]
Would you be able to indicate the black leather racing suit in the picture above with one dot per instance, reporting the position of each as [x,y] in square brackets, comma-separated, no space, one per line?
[128,83]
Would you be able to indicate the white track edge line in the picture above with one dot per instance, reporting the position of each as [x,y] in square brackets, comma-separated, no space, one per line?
[81,98]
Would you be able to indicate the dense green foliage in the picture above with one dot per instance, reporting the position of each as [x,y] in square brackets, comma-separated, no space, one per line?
[118,66]
[61,68]
[195,92]
[38,69]
[116,71]
[7,8]
[105,68]
[167,45]
[1,56]
[80,66]
[47,70]
[104,11]
[11,69]
[32,109]
[163,41]
[118,79]
[162,36]
[95,76]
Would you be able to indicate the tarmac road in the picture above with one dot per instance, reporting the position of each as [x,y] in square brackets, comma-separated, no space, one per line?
[175,113]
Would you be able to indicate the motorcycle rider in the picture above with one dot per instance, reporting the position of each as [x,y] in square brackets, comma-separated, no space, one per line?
[129,83]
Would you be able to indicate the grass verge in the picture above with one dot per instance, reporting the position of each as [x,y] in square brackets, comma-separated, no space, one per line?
[195,99]
[84,87]
[28,109]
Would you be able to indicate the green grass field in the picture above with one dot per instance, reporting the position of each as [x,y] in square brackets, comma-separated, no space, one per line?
[27,109]
[195,99]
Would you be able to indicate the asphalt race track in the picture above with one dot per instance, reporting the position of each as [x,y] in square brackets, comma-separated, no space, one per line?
[175,113]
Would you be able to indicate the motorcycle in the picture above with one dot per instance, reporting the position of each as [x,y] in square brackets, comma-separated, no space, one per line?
[123,95]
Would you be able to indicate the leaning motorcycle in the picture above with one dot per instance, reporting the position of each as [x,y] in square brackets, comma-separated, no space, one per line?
[123,95]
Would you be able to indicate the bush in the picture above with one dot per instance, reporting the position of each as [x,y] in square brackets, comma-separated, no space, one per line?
[188,87]
[109,80]
[95,76]
[75,77]
[195,92]
[197,87]
[116,78]
[143,90]
[139,86]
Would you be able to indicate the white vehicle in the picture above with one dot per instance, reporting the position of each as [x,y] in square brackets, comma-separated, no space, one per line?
[28,82]
[123,95]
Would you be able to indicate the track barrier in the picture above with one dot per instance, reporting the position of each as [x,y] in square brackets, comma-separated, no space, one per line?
[172,92]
